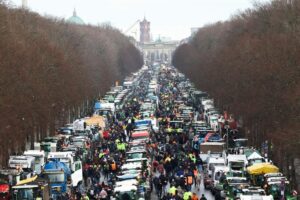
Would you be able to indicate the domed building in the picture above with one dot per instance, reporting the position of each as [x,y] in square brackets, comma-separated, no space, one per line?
[75,19]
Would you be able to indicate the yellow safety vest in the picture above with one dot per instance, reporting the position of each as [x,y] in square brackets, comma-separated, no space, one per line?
[101,155]
[119,146]
[123,147]
[186,195]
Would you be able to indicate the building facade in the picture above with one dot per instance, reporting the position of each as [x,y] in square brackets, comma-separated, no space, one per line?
[158,51]
[155,51]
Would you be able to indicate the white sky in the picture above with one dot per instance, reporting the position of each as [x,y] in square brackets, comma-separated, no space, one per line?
[169,18]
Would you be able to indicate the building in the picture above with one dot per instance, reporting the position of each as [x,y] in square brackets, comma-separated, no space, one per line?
[75,19]
[144,31]
[158,51]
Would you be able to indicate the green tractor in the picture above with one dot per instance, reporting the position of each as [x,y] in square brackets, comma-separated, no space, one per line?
[233,187]
[280,188]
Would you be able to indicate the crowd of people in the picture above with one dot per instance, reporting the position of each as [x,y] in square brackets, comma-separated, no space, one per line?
[174,167]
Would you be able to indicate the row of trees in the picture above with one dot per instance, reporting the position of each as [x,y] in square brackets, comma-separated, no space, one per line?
[251,66]
[50,69]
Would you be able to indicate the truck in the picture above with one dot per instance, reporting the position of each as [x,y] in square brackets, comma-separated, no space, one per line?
[66,131]
[126,189]
[236,162]
[96,121]
[49,144]
[33,188]
[39,156]
[254,193]
[58,174]
[79,125]
[233,187]
[100,105]
[127,84]
[26,163]
[212,147]
[217,174]
[4,190]
[240,144]
[8,178]
[212,162]
[74,166]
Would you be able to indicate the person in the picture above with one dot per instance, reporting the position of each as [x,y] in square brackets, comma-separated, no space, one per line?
[203,197]
[172,190]
[113,166]
[195,171]
[187,195]
[189,181]
[103,194]
[85,197]
[106,134]
[158,186]
[194,196]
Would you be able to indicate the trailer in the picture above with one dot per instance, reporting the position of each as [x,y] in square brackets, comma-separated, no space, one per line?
[212,147]
[26,163]
[32,188]
[8,178]
[39,156]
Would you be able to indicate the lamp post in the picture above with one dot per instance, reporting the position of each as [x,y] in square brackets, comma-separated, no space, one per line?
[227,133]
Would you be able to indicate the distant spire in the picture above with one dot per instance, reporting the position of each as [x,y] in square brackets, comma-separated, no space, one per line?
[24,4]
[74,13]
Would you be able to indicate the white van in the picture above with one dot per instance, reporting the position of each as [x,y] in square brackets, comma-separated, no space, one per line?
[213,162]
[217,172]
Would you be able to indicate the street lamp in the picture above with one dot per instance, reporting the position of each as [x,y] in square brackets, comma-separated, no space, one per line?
[227,135]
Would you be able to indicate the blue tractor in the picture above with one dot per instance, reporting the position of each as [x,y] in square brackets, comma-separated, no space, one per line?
[59,176]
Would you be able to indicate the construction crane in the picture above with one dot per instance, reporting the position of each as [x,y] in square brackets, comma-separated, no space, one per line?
[131,27]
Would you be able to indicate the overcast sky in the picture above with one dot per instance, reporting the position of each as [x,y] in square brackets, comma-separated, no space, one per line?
[169,18]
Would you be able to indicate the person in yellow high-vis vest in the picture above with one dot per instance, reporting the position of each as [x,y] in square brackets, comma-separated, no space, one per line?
[101,155]
[187,195]
[123,146]
[119,146]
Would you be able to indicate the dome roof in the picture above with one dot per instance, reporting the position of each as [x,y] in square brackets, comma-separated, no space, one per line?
[75,19]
